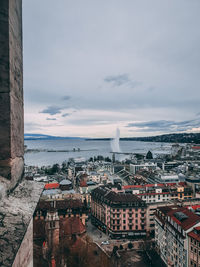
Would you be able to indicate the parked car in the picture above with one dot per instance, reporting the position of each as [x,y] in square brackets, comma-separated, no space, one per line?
[105,243]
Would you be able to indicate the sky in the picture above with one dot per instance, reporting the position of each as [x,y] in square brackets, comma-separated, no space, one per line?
[93,66]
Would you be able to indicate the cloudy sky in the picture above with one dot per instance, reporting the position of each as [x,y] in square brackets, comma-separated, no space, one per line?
[93,66]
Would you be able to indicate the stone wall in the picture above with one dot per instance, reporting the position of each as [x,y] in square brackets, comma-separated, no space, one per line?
[24,257]
[11,91]
[16,211]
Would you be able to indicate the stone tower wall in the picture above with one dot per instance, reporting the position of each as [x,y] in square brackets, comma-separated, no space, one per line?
[11,91]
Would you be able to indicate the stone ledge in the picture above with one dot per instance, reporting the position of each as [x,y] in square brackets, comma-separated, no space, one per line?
[16,212]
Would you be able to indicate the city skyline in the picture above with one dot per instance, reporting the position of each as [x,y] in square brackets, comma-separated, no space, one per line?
[92,67]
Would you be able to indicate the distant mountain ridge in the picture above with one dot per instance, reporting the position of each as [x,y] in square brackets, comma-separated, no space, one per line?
[48,137]
[167,138]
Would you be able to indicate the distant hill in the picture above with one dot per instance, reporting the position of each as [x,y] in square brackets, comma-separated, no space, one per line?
[47,137]
[168,138]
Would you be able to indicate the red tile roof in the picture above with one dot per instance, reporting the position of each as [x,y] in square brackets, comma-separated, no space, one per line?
[83,183]
[185,224]
[195,233]
[72,225]
[195,207]
[196,147]
[153,185]
[51,186]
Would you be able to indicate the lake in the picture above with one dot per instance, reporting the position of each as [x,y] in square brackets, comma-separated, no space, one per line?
[90,149]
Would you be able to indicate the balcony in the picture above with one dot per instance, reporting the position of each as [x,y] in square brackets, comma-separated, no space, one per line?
[115,224]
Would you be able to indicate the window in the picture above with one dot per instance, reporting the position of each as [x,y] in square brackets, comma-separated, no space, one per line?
[124,215]
[124,221]
[124,227]
[136,227]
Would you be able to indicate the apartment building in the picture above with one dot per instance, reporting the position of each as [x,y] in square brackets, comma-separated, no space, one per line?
[172,225]
[118,214]
[194,247]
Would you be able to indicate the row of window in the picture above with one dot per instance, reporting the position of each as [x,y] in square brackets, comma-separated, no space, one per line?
[136,209]
[130,227]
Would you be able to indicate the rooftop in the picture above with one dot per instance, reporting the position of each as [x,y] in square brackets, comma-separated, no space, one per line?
[181,215]
[116,197]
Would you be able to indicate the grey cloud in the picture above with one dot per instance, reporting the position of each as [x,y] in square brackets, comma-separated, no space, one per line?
[89,122]
[164,125]
[143,46]
[66,97]
[51,119]
[117,80]
[66,114]
[52,110]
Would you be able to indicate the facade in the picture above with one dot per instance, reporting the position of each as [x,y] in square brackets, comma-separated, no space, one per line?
[118,214]
[155,193]
[172,225]
[194,247]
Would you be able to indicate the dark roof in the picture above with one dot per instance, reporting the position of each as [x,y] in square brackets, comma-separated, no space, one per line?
[116,197]
[60,204]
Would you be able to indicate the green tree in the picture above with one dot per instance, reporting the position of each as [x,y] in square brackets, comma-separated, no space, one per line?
[130,245]
[55,168]
[149,155]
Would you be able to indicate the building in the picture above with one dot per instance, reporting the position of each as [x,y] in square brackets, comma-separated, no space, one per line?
[172,225]
[118,214]
[55,224]
[154,193]
[194,247]
[134,168]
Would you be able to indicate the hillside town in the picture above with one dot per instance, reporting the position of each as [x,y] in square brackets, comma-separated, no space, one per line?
[142,211]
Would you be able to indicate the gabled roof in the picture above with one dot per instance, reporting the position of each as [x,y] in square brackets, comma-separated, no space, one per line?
[116,197]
